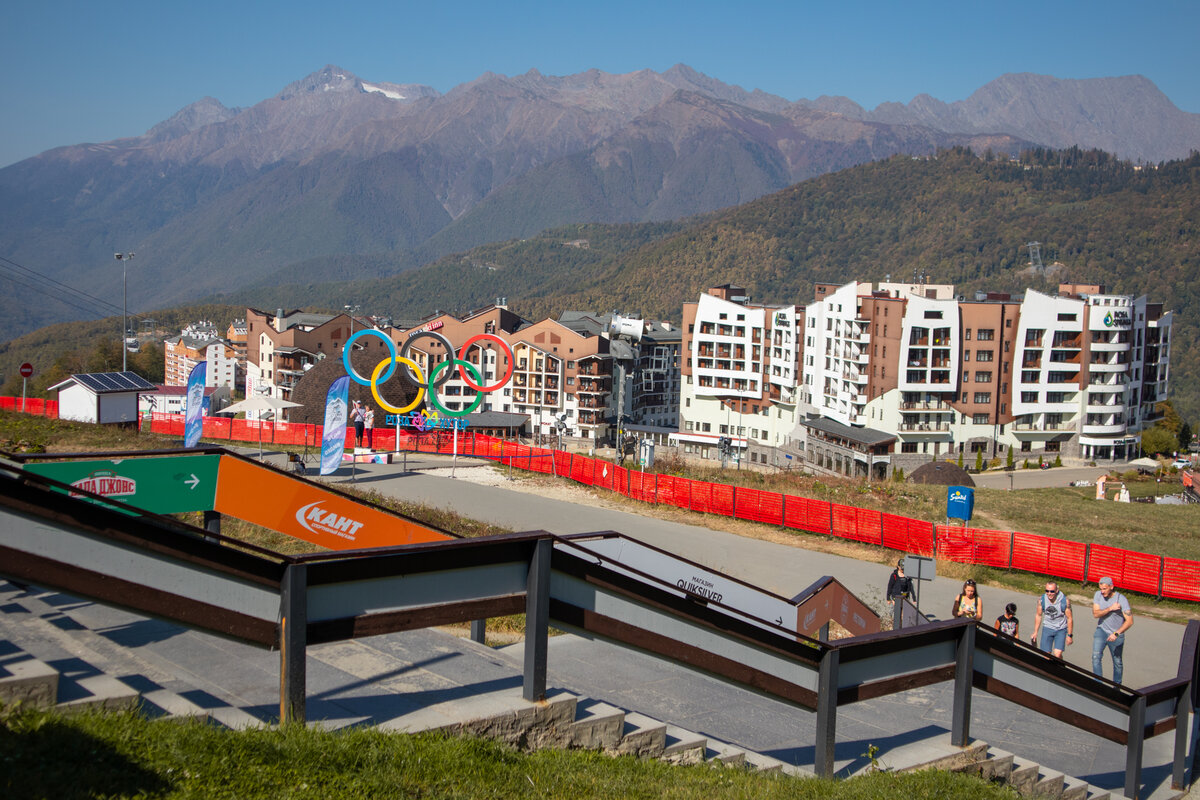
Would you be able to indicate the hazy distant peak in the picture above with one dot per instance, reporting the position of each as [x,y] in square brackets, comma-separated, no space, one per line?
[206,111]
[329,79]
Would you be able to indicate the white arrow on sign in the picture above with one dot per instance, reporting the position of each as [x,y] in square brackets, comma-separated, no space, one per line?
[194,482]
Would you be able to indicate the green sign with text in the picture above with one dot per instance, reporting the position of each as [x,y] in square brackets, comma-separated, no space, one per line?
[165,485]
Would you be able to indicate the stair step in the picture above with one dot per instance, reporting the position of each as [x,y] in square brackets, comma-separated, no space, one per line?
[683,746]
[641,736]
[100,691]
[1024,776]
[234,718]
[724,753]
[763,764]
[29,681]
[1049,784]
[597,726]
[998,765]
[1074,789]
[163,703]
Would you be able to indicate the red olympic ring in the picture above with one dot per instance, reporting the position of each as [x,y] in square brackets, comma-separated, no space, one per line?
[462,357]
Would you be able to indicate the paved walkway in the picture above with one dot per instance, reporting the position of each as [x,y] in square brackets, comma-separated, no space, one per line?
[778,568]
[390,679]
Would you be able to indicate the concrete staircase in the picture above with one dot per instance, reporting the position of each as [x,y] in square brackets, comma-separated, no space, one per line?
[74,688]
[1030,779]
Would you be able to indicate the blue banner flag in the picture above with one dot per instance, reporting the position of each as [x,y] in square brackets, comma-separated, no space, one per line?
[193,415]
[333,436]
[960,502]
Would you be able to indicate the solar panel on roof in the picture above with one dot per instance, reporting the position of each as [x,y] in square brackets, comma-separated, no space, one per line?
[102,382]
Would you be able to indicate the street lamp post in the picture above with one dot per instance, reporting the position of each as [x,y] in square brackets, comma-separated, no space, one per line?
[124,258]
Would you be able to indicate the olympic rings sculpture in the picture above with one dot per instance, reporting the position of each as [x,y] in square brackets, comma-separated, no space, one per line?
[437,376]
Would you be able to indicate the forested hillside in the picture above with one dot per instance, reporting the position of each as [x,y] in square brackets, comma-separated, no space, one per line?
[957,218]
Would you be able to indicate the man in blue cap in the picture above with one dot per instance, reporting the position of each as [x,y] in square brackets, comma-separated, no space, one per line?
[1111,609]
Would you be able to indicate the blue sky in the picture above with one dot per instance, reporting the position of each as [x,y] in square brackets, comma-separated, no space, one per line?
[76,71]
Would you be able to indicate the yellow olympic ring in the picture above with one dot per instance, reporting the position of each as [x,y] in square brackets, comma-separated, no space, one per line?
[387,362]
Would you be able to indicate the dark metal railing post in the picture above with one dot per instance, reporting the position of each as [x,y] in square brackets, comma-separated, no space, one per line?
[293,642]
[537,621]
[212,522]
[827,692]
[964,672]
[1182,735]
[478,630]
[1133,747]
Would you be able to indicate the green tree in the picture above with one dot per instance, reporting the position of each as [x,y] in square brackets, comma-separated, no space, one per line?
[1184,436]
[1159,440]
[1008,464]
[979,461]
[960,459]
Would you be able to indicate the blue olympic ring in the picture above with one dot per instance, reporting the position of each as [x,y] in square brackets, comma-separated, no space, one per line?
[354,376]
[464,367]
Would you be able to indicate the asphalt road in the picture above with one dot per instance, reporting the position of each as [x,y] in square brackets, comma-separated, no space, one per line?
[1150,657]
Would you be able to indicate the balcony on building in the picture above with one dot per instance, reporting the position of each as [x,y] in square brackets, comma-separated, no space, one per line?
[1067,340]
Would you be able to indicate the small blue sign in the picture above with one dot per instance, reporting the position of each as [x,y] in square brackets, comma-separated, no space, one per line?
[960,502]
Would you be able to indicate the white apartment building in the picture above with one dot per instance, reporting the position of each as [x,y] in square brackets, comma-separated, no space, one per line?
[1076,374]
[741,376]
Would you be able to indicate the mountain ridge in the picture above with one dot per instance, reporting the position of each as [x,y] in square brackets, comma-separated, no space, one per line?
[337,167]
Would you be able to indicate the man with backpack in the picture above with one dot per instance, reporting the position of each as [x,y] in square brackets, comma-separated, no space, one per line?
[1055,622]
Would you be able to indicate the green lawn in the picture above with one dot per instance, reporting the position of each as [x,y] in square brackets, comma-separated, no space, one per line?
[122,755]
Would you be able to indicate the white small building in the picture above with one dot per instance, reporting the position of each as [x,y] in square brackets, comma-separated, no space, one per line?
[173,399]
[102,397]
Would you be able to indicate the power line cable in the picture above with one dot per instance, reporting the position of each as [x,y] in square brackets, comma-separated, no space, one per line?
[101,308]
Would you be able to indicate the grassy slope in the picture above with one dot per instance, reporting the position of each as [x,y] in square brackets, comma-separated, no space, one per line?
[121,755]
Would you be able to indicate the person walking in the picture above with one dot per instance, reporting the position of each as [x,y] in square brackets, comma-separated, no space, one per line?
[369,427]
[899,584]
[968,602]
[1111,610]
[1055,620]
[1008,623]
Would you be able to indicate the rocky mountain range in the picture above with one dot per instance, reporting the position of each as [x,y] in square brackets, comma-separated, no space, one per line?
[340,177]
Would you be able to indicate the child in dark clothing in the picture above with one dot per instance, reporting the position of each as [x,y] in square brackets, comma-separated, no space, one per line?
[1008,622]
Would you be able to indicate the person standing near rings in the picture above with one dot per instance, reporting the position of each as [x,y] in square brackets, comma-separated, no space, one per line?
[1111,610]
[1055,621]
[358,418]
[369,427]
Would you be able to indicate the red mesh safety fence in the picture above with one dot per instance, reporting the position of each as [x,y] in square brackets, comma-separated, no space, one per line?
[675,491]
[1181,579]
[759,506]
[562,463]
[723,500]
[806,514]
[30,405]
[992,548]
[1048,556]
[857,524]
[1133,571]
[217,428]
[955,543]
[618,479]
[907,534]
[583,470]
[1136,572]
[643,485]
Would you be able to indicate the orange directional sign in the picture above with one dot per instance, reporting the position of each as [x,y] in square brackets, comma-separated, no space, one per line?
[300,509]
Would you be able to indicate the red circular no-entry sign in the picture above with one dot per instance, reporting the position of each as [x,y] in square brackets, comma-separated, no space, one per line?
[27,370]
